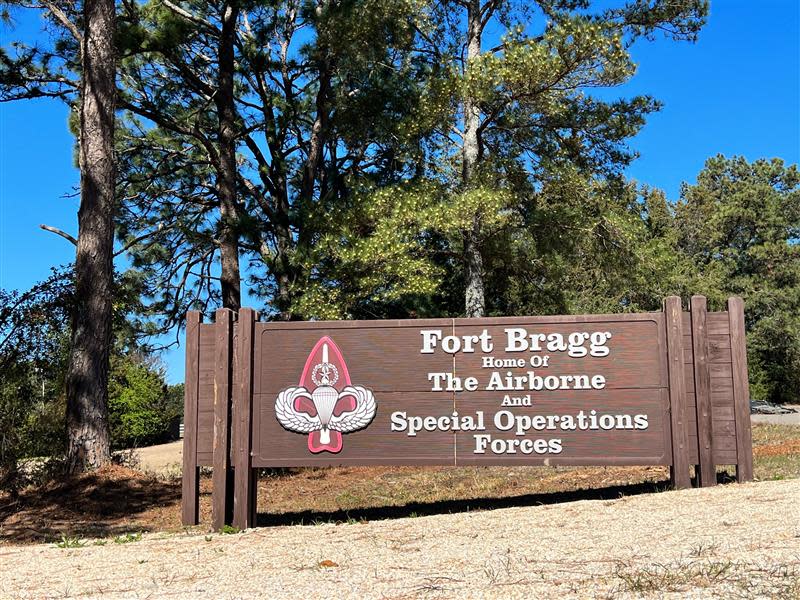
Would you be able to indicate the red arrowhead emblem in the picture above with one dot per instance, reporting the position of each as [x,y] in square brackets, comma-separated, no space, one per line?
[325,404]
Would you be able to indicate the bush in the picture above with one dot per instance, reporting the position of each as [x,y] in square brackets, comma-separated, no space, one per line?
[142,409]
[33,351]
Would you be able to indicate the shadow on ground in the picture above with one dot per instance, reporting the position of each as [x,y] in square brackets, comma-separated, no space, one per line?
[419,509]
[102,504]
[118,500]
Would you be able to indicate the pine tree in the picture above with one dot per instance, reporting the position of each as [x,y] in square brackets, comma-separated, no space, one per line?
[740,226]
[522,110]
[80,67]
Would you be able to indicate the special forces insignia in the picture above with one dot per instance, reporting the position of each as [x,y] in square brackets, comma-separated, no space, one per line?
[325,404]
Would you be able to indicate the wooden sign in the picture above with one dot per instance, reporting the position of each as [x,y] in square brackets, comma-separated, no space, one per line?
[666,388]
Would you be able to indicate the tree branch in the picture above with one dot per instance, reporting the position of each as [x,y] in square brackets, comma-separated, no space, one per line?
[189,16]
[57,231]
[62,18]
[138,239]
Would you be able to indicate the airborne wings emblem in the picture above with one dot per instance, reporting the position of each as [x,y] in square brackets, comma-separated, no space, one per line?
[325,404]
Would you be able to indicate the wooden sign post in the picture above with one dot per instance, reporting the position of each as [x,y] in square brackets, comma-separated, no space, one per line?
[666,388]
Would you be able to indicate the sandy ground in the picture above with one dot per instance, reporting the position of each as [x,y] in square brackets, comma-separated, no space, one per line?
[789,419]
[164,459]
[732,541]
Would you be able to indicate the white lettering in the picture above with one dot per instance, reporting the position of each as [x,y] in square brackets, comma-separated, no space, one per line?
[516,339]
[429,337]
[398,421]
[555,343]
[576,340]
[481,440]
[598,343]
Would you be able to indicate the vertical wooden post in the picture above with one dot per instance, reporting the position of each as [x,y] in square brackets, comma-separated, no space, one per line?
[707,472]
[741,391]
[222,396]
[673,317]
[243,412]
[253,503]
[190,482]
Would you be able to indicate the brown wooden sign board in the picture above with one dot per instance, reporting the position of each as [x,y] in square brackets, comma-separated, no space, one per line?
[666,388]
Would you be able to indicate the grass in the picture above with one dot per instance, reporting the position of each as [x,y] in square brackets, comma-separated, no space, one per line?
[673,577]
[68,541]
[776,452]
[229,530]
[702,550]
[128,538]
[739,580]
[309,493]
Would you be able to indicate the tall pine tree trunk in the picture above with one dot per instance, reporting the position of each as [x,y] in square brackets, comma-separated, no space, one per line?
[88,436]
[230,278]
[475,304]
[283,300]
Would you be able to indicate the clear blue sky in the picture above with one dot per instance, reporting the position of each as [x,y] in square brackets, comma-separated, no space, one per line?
[737,91]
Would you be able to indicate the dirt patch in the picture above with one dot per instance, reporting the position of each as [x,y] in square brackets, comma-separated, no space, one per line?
[118,500]
[369,493]
[787,448]
[165,460]
[732,541]
[109,502]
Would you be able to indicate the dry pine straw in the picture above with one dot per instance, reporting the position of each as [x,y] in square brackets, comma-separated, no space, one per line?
[118,500]
[728,541]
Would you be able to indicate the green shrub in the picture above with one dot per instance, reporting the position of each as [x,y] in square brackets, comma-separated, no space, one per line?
[142,409]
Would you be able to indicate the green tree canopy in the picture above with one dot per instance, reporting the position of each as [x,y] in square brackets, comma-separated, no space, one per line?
[740,227]
[34,344]
[142,408]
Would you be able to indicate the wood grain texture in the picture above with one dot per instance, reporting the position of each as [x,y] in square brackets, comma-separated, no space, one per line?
[677,392]
[716,324]
[222,432]
[741,391]
[655,368]
[190,483]
[243,416]
[206,362]
[640,360]
[387,353]
[598,446]
[375,445]
[707,472]
[385,357]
